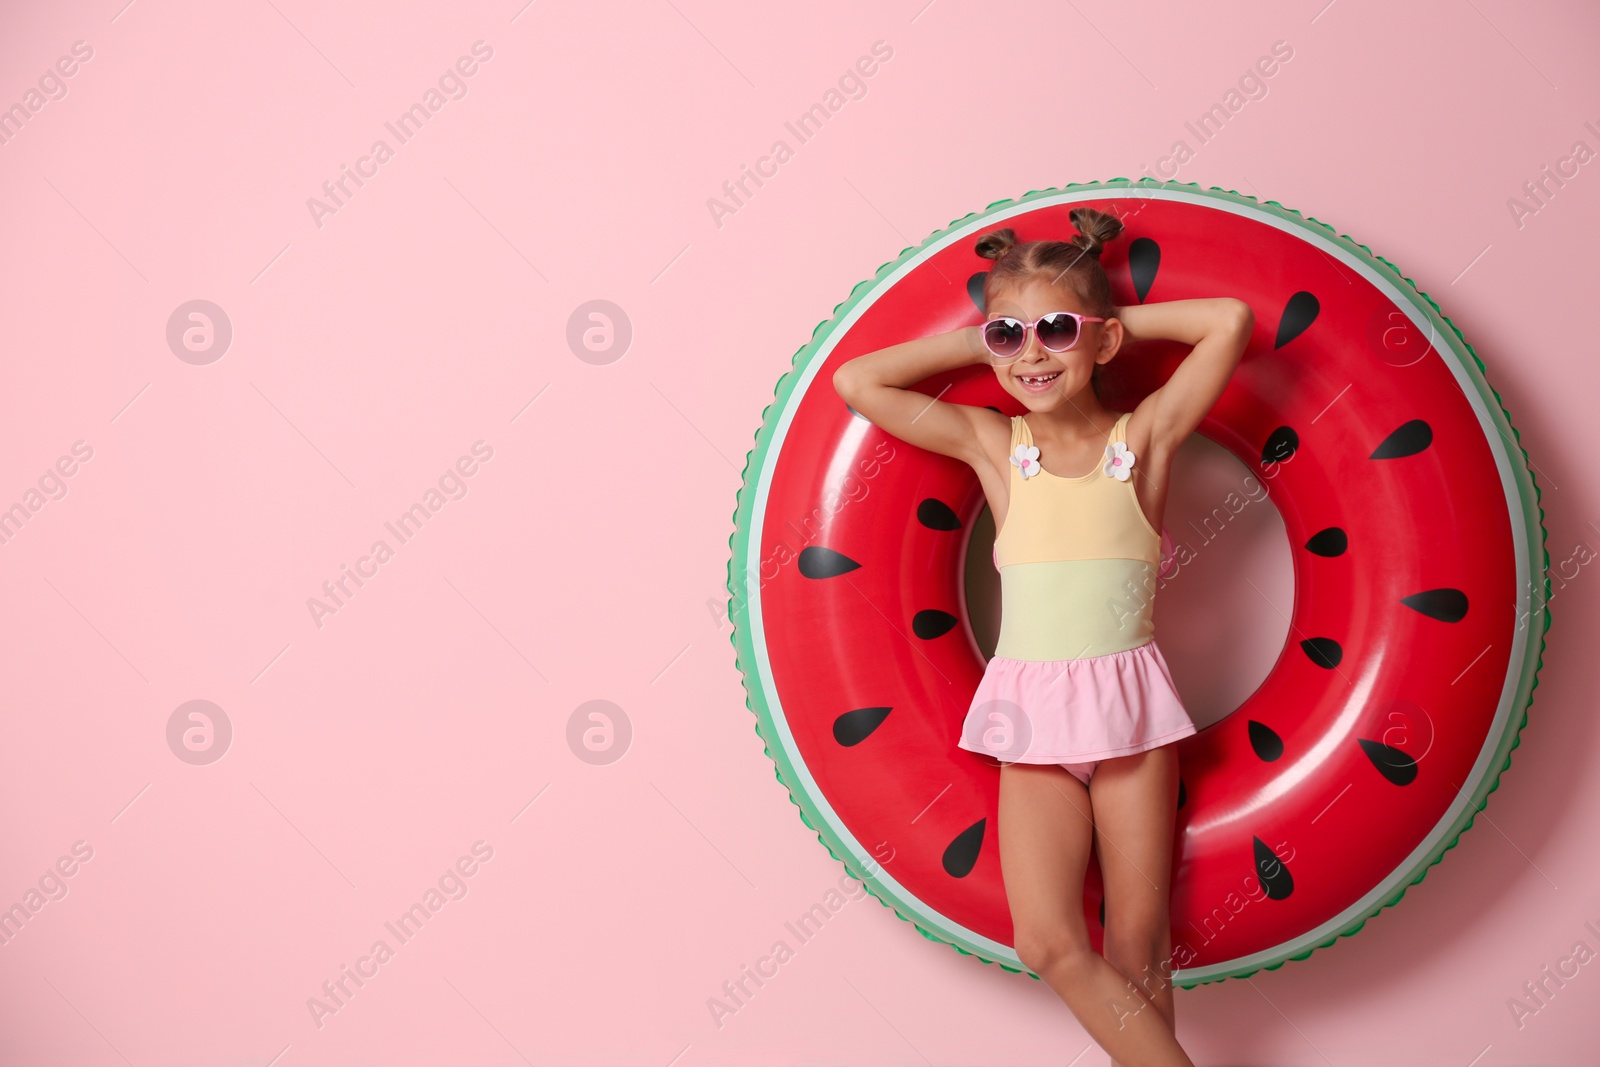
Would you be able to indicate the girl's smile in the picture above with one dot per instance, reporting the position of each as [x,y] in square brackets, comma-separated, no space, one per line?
[1040,382]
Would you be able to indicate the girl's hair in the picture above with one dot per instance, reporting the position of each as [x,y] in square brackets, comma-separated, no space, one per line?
[1075,263]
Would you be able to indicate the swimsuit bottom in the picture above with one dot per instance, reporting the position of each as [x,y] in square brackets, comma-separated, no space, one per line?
[1075,712]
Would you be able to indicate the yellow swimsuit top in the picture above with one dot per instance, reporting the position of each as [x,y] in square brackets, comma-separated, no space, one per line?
[1077,557]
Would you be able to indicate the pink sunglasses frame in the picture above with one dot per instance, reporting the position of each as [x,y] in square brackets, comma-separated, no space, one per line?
[983,332]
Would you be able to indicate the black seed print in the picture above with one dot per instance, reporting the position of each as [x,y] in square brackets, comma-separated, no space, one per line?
[1102,913]
[931,622]
[1144,260]
[1273,872]
[1298,315]
[854,727]
[937,515]
[1393,764]
[1446,605]
[1281,444]
[1329,542]
[1183,795]
[819,562]
[1324,651]
[1265,740]
[961,855]
[975,289]
[1412,437]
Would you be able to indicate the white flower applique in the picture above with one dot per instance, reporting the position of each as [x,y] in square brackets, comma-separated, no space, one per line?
[1026,459]
[1119,461]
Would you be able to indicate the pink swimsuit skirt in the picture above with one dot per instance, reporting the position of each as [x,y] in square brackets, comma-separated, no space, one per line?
[1075,710]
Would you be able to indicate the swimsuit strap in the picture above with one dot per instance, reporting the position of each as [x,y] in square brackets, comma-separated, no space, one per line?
[1022,435]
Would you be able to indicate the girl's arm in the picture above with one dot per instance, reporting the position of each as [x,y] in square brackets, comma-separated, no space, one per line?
[1219,329]
[878,385]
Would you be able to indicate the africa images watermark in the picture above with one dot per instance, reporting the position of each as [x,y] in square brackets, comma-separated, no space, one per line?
[1541,190]
[851,85]
[1133,606]
[51,486]
[1252,85]
[51,86]
[51,886]
[452,85]
[1266,884]
[737,992]
[850,490]
[451,885]
[1537,993]
[452,485]
[1567,570]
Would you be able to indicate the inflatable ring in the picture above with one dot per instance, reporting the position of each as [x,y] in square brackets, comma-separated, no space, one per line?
[1419,566]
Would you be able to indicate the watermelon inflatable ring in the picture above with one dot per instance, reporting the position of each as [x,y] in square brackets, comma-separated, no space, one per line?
[1415,637]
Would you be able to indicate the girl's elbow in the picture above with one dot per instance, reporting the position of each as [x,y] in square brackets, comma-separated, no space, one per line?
[845,380]
[1236,325]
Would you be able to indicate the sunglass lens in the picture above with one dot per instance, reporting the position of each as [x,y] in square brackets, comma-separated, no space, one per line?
[1004,336]
[1057,332]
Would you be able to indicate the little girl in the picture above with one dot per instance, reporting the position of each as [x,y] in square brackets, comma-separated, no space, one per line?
[1077,704]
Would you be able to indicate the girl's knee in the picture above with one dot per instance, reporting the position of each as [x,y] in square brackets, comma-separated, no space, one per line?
[1053,947]
[1131,944]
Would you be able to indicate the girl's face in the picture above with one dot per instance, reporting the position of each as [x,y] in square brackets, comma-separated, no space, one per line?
[1040,378]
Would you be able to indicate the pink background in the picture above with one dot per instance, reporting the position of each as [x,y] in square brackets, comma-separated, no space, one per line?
[587,558]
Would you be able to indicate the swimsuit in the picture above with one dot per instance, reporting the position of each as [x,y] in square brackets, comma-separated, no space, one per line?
[1076,676]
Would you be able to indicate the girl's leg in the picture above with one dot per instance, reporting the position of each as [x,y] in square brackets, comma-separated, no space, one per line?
[1135,802]
[1046,832]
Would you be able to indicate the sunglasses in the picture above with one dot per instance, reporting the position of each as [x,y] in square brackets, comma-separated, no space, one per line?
[1057,331]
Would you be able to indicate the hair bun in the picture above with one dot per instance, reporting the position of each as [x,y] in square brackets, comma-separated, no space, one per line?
[996,244]
[1095,228]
